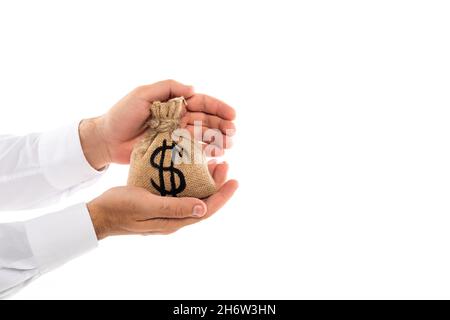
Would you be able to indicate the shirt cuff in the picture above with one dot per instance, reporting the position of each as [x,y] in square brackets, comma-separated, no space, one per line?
[61,236]
[62,160]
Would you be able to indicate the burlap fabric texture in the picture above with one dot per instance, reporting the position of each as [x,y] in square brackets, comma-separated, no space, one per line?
[166,166]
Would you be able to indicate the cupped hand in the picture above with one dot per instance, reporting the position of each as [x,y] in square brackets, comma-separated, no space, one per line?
[111,137]
[133,210]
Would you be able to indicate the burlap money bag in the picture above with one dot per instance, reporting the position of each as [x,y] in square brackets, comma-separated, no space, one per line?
[166,167]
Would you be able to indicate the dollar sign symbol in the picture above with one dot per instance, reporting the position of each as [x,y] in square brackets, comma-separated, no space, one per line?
[174,189]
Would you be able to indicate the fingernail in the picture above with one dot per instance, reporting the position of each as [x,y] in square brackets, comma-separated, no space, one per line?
[198,211]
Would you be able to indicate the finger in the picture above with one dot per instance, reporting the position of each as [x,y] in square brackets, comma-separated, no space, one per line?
[220,173]
[161,233]
[156,226]
[214,203]
[211,136]
[163,90]
[172,207]
[210,121]
[218,199]
[212,164]
[212,150]
[210,105]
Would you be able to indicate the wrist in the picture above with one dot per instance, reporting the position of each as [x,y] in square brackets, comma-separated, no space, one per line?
[94,147]
[98,220]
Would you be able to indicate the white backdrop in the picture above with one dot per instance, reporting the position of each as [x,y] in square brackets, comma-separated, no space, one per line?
[342,148]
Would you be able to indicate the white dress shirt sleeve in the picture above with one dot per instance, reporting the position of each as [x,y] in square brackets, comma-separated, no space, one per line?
[39,169]
[36,170]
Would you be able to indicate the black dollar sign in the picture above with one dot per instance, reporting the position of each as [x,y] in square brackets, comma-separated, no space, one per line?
[174,190]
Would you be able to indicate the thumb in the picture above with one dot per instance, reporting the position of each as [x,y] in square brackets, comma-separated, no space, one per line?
[168,207]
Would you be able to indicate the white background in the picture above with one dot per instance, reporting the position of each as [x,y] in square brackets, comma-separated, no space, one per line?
[342,149]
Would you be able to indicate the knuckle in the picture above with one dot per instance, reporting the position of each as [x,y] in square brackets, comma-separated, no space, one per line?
[170,81]
[204,101]
[173,207]
[138,90]
[164,205]
[179,210]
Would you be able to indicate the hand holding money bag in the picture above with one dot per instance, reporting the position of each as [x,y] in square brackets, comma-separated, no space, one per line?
[168,164]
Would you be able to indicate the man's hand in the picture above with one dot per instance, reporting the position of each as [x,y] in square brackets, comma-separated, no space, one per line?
[111,137]
[133,210]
